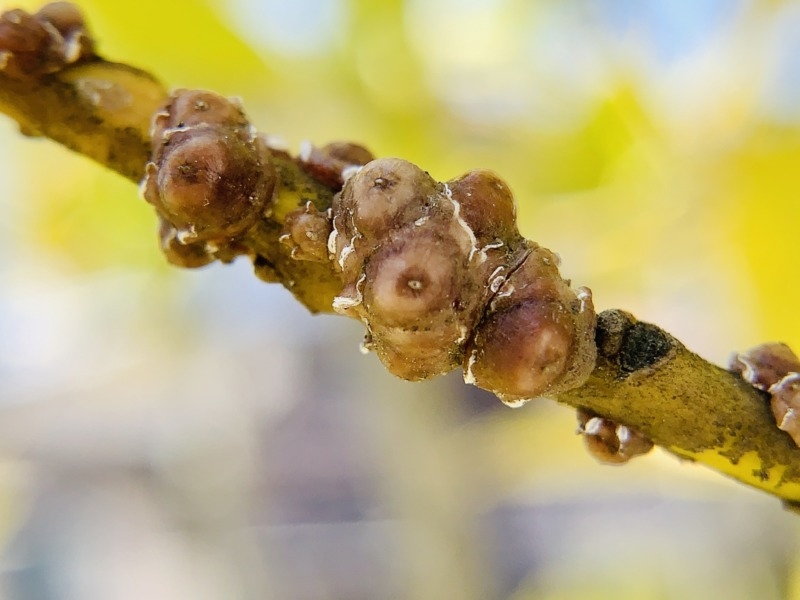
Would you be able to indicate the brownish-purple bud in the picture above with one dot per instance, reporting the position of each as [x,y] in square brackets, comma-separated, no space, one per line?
[487,205]
[190,108]
[385,194]
[348,153]
[76,43]
[191,255]
[412,279]
[306,232]
[211,178]
[46,42]
[409,295]
[64,16]
[21,32]
[24,44]
[774,368]
[537,336]
[334,162]
[519,353]
[209,185]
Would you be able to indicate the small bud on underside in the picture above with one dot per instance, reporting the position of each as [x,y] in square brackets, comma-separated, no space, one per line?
[610,442]
[190,255]
[32,45]
[211,177]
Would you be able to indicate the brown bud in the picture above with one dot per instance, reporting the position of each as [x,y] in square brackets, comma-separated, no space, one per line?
[537,336]
[520,352]
[189,256]
[610,442]
[210,177]
[21,33]
[64,16]
[487,205]
[189,108]
[330,163]
[306,232]
[34,45]
[210,185]
[23,44]
[348,153]
[765,365]
[409,295]
[786,405]
[412,279]
[385,194]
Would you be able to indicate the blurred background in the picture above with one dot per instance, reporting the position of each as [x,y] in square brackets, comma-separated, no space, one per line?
[171,435]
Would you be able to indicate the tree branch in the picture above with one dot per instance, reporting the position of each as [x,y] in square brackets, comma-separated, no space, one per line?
[649,381]
[643,378]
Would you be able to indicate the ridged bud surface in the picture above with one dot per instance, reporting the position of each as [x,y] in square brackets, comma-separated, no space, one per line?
[211,177]
[440,276]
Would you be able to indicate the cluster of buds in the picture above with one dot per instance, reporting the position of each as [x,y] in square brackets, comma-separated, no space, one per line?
[441,278]
[437,272]
[45,42]
[210,179]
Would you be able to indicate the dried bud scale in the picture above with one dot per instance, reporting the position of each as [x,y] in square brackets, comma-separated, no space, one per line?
[774,368]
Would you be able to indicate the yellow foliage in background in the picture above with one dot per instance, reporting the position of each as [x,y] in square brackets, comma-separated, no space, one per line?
[654,145]
[662,180]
